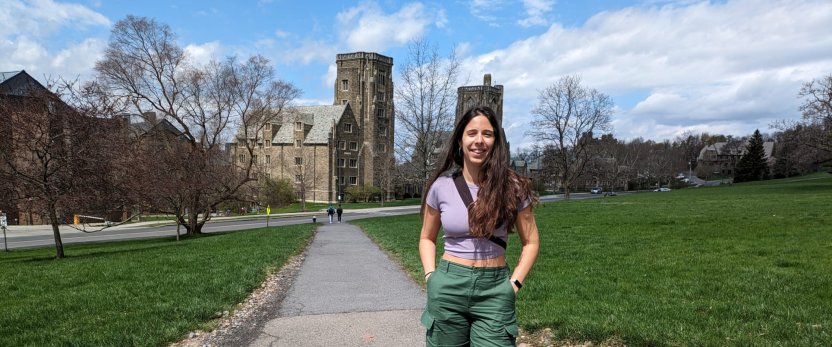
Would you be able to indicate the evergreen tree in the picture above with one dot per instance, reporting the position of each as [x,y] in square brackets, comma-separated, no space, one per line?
[753,165]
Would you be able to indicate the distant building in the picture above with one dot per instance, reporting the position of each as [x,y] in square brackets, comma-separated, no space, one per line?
[315,147]
[325,149]
[722,157]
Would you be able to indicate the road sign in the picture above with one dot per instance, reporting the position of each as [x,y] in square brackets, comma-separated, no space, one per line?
[3,221]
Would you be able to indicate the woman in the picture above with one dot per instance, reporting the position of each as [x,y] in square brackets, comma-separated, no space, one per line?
[470,291]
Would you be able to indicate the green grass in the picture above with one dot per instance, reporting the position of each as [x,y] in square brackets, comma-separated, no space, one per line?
[135,293]
[742,265]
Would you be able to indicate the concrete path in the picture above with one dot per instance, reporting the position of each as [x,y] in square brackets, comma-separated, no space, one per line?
[347,293]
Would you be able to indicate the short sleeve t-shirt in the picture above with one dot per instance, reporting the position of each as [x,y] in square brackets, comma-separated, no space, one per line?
[444,197]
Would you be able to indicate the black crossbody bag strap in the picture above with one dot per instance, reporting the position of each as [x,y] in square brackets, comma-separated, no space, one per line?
[465,194]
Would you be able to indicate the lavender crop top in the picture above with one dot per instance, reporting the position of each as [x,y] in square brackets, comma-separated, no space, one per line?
[444,197]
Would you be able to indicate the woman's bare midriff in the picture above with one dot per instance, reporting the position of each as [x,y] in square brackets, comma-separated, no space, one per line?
[491,262]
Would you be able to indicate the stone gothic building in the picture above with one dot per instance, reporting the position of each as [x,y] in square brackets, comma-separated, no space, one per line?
[326,149]
[365,81]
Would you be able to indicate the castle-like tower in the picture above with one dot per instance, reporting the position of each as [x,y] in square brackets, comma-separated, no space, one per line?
[365,81]
[477,96]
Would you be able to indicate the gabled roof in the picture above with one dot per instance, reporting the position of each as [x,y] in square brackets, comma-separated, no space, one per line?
[18,83]
[321,118]
[720,149]
[162,125]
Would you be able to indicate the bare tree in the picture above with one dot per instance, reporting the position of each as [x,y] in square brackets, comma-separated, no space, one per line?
[817,109]
[566,116]
[144,64]
[62,161]
[425,104]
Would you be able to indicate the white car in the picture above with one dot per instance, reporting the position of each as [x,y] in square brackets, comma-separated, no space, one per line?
[662,189]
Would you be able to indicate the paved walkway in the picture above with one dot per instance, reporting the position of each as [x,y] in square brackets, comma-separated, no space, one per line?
[347,293]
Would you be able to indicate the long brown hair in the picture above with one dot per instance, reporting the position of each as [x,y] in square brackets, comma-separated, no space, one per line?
[501,189]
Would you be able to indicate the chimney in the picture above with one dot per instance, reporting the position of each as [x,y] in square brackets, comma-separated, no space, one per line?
[486,80]
[149,117]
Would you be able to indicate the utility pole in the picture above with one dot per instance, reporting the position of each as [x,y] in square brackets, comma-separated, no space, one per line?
[3,224]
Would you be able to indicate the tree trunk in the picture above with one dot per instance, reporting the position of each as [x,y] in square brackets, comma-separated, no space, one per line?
[59,245]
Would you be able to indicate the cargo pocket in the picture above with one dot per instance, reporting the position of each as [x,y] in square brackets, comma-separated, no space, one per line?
[512,331]
[427,320]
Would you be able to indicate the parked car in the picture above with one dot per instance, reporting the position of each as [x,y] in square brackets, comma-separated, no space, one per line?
[596,190]
[662,189]
[610,194]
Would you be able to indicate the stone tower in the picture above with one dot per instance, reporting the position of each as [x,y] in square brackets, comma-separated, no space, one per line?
[484,95]
[365,81]
[468,97]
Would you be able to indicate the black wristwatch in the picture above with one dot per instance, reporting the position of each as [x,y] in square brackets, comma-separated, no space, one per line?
[517,283]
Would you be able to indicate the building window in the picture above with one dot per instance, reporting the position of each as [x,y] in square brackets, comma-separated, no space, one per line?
[341,162]
[342,145]
[268,126]
[254,159]
[341,180]
[298,178]
[381,148]
[345,84]
[298,126]
[268,159]
[298,143]
[353,180]
[268,142]
[382,130]
[380,112]
[353,146]
[242,158]
[347,127]
[298,161]
[344,101]
[353,163]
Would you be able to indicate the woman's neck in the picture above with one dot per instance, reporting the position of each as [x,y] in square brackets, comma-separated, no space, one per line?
[471,174]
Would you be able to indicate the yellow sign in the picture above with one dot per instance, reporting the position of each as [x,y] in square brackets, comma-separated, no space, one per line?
[268,209]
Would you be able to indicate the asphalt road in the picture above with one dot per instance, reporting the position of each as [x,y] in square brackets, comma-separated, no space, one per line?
[41,235]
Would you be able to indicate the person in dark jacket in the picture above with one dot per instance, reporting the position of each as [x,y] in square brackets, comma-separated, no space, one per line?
[339,211]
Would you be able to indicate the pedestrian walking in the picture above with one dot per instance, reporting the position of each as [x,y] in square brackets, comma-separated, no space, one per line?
[477,200]
[330,212]
[339,211]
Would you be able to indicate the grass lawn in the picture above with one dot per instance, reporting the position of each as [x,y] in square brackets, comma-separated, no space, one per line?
[742,265]
[135,293]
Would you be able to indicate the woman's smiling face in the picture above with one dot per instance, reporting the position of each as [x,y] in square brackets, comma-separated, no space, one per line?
[477,140]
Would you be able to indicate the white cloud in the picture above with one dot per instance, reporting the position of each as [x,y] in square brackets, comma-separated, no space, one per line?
[735,65]
[310,50]
[79,59]
[27,28]
[204,53]
[331,74]
[42,17]
[536,11]
[484,9]
[367,28]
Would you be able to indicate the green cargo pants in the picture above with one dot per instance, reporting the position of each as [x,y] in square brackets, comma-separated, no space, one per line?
[470,306]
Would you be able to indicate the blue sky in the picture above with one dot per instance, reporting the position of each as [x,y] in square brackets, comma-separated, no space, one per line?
[724,67]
